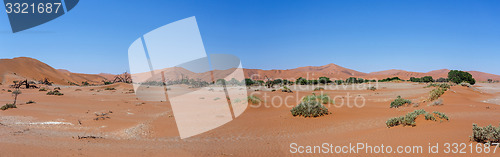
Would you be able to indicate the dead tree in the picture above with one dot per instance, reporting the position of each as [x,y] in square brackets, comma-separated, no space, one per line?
[125,78]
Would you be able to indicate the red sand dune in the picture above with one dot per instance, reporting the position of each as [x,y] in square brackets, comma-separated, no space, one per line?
[32,69]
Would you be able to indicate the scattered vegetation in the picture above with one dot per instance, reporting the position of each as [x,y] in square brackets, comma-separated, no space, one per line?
[55,92]
[457,76]
[311,106]
[409,119]
[9,91]
[109,88]
[57,88]
[488,134]
[253,99]
[42,89]
[398,102]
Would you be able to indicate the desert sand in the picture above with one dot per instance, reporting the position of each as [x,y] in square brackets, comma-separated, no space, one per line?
[93,121]
[52,125]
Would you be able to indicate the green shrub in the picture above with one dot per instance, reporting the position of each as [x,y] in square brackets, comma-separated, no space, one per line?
[409,119]
[436,93]
[30,102]
[7,106]
[441,115]
[488,134]
[109,88]
[42,89]
[399,102]
[319,88]
[57,88]
[286,89]
[429,116]
[322,98]
[253,99]
[309,109]
[55,92]
[9,90]
[458,76]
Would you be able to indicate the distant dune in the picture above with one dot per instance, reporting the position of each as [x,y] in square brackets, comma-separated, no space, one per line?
[28,68]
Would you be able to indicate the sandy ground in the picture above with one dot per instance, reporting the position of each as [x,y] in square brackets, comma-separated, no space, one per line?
[130,127]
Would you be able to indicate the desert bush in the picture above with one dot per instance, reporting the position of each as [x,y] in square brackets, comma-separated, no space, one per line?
[9,90]
[427,79]
[441,115]
[311,108]
[55,92]
[458,76]
[399,102]
[322,98]
[409,119]
[42,89]
[57,88]
[30,102]
[109,88]
[438,102]
[436,93]
[429,116]
[7,106]
[465,84]
[488,134]
[373,88]
[286,89]
[441,80]
[253,99]
[319,88]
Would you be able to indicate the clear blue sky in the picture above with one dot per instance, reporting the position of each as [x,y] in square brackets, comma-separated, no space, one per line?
[367,36]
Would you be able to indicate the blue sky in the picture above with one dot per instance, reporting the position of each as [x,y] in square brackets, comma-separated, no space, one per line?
[367,36]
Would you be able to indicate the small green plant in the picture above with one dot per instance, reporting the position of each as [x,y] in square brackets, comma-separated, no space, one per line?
[42,89]
[7,106]
[253,99]
[398,102]
[57,88]
[109,88]
[319,88]
[30,102]
[436,93]
[215,99]
[309,109]
[429,116]
[441,115]
[488,134]
[55,92]
[286,89]
[9,90]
